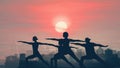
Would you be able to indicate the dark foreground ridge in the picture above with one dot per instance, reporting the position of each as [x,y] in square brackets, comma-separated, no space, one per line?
[39,64]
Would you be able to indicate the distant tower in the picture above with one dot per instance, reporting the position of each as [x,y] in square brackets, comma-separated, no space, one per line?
[118,54]
[11,62]
[22,57]
[111,58]
[108,52]
[22,61]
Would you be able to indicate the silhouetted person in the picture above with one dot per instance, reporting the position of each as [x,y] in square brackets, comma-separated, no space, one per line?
[90,51]
[65,48]
[36,53]
[59,55]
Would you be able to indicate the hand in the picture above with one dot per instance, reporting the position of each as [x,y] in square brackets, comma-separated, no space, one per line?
[48,38]
[82,41]
[106,46]
[19,41]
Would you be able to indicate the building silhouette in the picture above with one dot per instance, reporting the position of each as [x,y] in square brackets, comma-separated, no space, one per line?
[11,62]
[111,58]
[118,53]
[2,66]
[22,60]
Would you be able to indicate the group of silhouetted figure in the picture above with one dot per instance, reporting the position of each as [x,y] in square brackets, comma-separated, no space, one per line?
[65,49]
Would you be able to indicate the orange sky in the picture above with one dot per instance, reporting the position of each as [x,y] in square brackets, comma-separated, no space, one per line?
[20,20]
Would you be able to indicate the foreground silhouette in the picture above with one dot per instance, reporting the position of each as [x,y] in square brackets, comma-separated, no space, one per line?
[65,49]
[36,53]
[59,55]
[90,51]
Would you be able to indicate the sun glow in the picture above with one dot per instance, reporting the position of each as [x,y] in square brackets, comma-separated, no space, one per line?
[61,26]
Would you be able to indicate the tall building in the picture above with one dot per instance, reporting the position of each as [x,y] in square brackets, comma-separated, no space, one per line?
[108,52]
[2,66]
[111,58]
[22,60]
[11,62]
[118,54]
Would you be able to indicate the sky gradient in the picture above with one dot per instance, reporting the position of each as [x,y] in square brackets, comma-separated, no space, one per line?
[22,19]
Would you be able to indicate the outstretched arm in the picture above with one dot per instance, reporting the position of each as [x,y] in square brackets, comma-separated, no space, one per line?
[43,43]
[100,45]
[26,42]
[76,40]
[58,46]
[78,44]
[52,45]
[55,39]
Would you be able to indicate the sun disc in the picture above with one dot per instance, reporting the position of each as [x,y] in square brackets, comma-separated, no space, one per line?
[61,26]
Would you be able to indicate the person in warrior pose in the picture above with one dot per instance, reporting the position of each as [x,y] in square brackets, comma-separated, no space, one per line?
[59,55]
[65,48]
[90,51]
[35,46]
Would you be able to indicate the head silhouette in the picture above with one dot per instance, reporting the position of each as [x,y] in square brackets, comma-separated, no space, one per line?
[35,38]
[87,39]
[65,34]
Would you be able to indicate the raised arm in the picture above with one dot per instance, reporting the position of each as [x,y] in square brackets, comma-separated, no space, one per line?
[76,40]
[78,44]
[26,42]
[55,39]
[100,45]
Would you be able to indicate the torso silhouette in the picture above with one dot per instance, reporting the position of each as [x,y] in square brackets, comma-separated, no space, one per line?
[35,48]
[89,47]
[64,44]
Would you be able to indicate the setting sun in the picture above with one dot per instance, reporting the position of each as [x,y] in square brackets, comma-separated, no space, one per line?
[61,26]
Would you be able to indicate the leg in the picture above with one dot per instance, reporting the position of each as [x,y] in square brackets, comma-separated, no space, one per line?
[56,57]
[101,61]
[30,57]
[68,62]
[82,60]
[56,66]
[41,58]
[74,57]
[52,59]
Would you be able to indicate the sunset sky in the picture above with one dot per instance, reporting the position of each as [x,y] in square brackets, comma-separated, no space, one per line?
[22,19]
